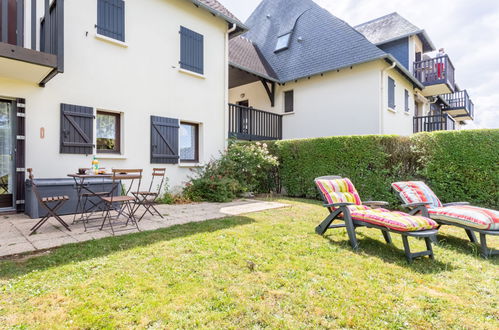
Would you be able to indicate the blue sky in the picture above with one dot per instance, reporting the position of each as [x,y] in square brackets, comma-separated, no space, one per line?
[468,30]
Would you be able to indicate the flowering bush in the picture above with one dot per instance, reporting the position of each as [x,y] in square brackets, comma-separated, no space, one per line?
[242,168]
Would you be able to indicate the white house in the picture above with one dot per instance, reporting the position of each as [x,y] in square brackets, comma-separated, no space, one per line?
[302,72]
[139,84]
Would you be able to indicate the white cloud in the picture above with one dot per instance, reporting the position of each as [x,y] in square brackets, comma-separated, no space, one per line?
[468,30]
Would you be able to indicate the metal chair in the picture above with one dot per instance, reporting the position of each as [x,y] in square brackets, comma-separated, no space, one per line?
[124,204]
[92,203]
[52,204]
[147,199]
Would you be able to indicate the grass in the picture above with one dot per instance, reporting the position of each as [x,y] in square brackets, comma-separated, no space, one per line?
[265,270]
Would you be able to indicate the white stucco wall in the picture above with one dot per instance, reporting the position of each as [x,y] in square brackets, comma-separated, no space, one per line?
[337,103]
[397,121]
[138,81]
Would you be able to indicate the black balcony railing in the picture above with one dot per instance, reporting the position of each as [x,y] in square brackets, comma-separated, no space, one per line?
[254,125]
[438,70]
[460,104]
[433,123]
[40,32]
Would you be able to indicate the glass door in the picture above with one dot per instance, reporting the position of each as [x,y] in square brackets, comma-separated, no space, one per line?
[6,156]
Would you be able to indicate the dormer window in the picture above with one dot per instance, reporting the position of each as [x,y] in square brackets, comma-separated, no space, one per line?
[283,42]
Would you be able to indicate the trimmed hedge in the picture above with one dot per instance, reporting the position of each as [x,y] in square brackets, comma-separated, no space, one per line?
[457,165]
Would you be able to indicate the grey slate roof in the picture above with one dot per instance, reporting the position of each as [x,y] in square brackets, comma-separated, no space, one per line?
[217,8]
[327,43]
[392,27]
[244,54]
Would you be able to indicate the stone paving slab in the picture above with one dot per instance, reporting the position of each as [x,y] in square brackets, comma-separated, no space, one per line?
[14,229]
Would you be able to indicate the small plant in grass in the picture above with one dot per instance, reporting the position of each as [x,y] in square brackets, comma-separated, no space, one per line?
[242,168]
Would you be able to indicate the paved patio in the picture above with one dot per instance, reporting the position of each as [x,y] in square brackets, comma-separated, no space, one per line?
[14,229]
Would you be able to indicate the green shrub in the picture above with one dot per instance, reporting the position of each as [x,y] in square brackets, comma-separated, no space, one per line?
[244,167]
[458,165]
[461,165]
[213,189]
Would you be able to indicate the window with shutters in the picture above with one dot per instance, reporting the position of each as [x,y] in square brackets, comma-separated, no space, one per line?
[391,93]
[77,128]
[164,140]
[406,101]
[189,142]
[111,19]
[191,51]
[108,132]
[289,101]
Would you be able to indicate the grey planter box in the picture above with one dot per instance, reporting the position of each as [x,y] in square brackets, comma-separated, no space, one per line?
[62,187]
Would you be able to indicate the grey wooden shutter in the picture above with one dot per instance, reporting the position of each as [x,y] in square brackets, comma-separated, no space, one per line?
[164,140]
[289,101]
[391,93]
[111,19]
[191,50]
[77,129]
[406,98]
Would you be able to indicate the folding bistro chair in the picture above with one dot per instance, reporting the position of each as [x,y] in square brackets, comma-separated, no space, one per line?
[343,202]
[420,199]
[124,204]
[52,204]
[148,198]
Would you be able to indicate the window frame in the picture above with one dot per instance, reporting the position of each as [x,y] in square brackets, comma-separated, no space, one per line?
[293,101]
[118,145]
[196,148]
[286,38]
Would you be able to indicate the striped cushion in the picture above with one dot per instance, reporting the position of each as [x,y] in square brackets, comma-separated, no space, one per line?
[399,221]
[471,216]
[338,191]
[416,192]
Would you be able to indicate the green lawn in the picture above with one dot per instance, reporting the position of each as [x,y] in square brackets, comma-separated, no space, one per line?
[264,270]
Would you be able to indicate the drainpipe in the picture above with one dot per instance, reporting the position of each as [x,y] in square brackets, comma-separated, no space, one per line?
[232,29]
[382,110]
[226,85]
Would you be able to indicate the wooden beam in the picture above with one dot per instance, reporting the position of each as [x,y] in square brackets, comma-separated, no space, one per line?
[270,90]
[51,75]
[27,55]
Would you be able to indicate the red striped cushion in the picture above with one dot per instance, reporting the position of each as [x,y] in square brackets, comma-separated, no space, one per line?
[416,192]
[471,216]
[399,221]
[338,191]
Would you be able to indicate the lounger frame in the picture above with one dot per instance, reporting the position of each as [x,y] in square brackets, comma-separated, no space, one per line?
[485,251]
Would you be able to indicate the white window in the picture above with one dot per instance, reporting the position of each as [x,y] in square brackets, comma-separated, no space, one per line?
[189,142]
[283,42]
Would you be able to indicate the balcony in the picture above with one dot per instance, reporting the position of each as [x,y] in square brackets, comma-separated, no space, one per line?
[434,123]
[31,45]
[436,74]
[460,106]
[254,125]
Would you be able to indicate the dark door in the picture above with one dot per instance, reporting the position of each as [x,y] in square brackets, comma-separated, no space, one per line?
[12,22]
[7,177]
[244,117]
